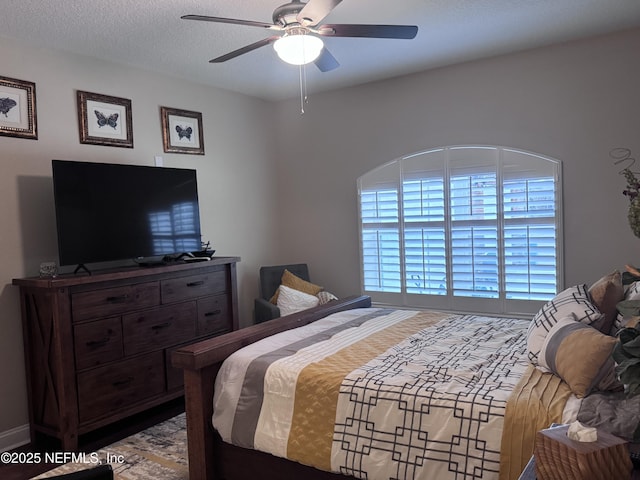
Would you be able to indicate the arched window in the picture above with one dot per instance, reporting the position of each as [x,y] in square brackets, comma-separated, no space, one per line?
[468,228]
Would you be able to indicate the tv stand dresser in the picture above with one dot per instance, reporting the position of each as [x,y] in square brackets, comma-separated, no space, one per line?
[98,347]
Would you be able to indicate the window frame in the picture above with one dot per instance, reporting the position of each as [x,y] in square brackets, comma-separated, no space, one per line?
[393,175]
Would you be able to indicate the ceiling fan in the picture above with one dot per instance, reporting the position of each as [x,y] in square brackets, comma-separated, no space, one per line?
[300,42]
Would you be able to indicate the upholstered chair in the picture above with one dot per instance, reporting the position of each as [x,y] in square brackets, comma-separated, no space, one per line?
[269,283]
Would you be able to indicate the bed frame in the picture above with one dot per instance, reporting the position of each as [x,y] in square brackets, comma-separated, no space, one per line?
[209,457]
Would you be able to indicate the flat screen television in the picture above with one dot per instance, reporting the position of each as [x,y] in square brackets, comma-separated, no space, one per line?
[107,212]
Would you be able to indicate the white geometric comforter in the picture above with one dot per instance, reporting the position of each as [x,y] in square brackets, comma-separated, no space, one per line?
[377,394]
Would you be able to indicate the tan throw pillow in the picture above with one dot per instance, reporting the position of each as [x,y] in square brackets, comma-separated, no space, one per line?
[605,294]
[293,281]
[580,355]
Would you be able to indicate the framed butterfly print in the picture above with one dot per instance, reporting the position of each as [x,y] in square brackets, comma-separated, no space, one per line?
[182,131]
[105,120]
[18,108]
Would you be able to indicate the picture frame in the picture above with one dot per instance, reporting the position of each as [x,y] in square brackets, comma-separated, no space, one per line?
[105,120]
[18,108]
[182,131]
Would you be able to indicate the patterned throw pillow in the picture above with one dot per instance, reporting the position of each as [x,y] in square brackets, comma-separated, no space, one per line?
[580,355]
[572,300]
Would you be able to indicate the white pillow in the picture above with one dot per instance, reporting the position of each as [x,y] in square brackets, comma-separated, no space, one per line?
[292,301]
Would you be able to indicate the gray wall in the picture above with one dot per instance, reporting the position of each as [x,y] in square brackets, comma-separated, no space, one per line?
[280,187]
[235,176]
[573,102]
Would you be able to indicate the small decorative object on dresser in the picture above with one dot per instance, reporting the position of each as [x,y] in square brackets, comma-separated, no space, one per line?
[98,347]
[48,269]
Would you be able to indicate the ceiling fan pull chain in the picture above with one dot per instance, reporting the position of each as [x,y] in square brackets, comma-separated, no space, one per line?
[303,88]
[301,94]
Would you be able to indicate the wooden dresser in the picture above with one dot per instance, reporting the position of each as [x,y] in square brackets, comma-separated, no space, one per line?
[98,347]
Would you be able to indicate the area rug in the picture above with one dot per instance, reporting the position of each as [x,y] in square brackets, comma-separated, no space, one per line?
[159,452]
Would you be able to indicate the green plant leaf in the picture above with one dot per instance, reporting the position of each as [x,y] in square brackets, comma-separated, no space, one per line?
[626,354]
[629,372]
[628,334]
[632,347]
[628,278]
[619,354]
[633,388]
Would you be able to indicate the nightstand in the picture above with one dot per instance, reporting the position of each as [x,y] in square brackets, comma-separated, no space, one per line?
[560,458]
[529,471]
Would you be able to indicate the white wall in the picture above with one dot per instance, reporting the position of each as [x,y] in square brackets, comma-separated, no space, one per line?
[573,102]
[235,180]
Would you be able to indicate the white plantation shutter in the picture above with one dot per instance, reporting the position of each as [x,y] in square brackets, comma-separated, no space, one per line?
[380,232]
[424,215]
[468,228]
[531,217]
[424,236]
[473,187]
[474,261]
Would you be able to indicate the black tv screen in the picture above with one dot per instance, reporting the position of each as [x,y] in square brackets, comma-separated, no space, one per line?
[107,212]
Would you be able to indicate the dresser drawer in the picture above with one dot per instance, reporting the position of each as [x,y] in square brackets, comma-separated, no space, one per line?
[193,286]
[214,315]
[97,342]
[159,327]
[112,301]
[107,389]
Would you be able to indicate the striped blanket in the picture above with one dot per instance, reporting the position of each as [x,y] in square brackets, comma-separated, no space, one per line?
[377,394]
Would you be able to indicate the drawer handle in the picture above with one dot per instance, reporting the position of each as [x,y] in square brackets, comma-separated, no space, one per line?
[195,284]
[98,343]
[118,298]
[211,314]
[122,383]
[161,326]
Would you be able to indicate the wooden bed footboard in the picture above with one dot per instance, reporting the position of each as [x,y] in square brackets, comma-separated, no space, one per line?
[201,362]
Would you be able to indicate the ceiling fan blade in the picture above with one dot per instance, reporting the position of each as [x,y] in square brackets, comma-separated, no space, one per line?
[315,11]
[246,49]
[326,62]
[370,31]
[248,23]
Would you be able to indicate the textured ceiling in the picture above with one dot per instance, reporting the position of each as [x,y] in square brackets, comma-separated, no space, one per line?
[150,34]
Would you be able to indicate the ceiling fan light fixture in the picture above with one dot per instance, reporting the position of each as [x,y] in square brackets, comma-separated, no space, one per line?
[298,48]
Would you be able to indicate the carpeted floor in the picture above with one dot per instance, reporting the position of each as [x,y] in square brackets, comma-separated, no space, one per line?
[157,453]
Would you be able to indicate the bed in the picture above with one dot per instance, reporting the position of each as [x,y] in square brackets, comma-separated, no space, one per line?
[447,396]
